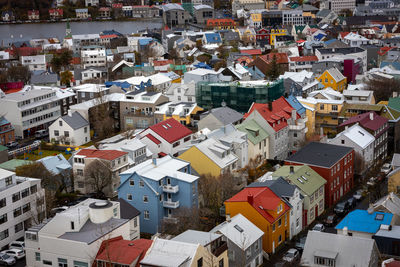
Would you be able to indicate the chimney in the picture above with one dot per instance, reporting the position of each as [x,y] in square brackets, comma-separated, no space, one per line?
[294,113]
[154,159]
[345,231]
[270,106]
[371,116]
[291,169]
[250,199]
[228,217]
[346,127]
[69,113]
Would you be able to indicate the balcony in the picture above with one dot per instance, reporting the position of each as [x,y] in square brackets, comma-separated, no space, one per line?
[298,127]
[171,204]
[171,220]
[221,249]
[170,189]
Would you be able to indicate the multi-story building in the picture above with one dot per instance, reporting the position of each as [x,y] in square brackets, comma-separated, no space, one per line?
[299,83]
[92,2]
[266,210]
[31,110]
[71,129]
[90,91]
[167,137]
[105,12]
[298,64]
[114,161]
[185,113]
[339,5]
[334,163]
[257,139]
[292,17]
[56,13]
[22,204]
[174,15]
[202,13]
[74,236]
[81,40]
[34,62]
[218,117]
[356,52]
[247,4]
[6,131]
[221,24]
[93,56]
[145,11]
[182,92]
[377,126]
[82,13]
[159,189]
[334,79]
[311,186]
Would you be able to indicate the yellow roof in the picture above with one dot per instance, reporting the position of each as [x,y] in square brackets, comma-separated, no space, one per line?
[383,102]
[256,17]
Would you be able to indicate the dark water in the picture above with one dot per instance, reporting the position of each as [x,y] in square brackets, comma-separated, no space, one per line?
[18,32]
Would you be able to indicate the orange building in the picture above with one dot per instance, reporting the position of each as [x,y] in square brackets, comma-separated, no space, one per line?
[266,210]
[221,24]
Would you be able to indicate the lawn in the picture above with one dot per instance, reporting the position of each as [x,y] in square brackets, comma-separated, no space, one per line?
[44,153]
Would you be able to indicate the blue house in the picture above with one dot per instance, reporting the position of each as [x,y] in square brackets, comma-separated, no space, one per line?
[159,188]
[364,223]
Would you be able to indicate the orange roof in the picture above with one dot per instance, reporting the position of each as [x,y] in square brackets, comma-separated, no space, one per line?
[383,50]
[251,51]
[101,154]
[304,58]
[108,36]
[163,62]
[262,199]
[212,22]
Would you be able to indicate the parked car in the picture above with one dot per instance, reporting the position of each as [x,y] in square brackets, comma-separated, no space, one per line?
[14,252]
[7,260]
[292,255]
[331,220]
[17,244]
[358,195]
[342,208]
[319,227]
[12,144]
[41,133]
[386,168]
[352,202]
[301,243]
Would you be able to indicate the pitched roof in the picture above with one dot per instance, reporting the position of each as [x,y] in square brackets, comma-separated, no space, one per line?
[197,237]
[152,138]
[394,102]
[363,221]
[255,133]
[240,231]
[263,200]
[303,176]
[365,120]
[281,58]
[76,121]
[123,252]
[346,250]
[336,75]
[225,115]
[358,135]
[101,154]
[278,116]
[55,164]
[303,58]
[170,130]
[127,210]
[320,154]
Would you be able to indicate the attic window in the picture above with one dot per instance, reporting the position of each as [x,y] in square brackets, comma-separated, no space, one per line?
[301,181]
[379,217]
[165,127]
[304,178]
[237,227]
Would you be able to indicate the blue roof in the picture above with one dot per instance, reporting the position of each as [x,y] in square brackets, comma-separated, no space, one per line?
[202,65]
[123,85]
[110,32]
[395,65]
[213,38]
[145,41]
[296,104]
[319,36]
[330,41]
[3,121]
[255,73]
[55,164]
[362,221]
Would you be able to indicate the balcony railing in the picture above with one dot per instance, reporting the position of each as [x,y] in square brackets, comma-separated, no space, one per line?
[219,250]
[171,204]
[170,188]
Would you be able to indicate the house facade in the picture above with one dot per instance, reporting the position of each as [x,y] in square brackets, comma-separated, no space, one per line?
[71,129]
[6,131]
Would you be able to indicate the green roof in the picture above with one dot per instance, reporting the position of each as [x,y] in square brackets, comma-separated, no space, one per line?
[11,165]
[255,133]
[394,102]
[2,148]
[366,107]
[314,180]
[390,113]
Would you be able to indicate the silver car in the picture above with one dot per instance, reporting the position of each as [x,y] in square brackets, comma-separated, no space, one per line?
[7,260]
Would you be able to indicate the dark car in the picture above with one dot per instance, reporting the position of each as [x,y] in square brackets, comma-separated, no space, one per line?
[331,220]
[342,208]
[300,244]
[352,202]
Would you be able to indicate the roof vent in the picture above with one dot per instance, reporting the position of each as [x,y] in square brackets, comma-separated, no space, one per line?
[131,244]
[237,227]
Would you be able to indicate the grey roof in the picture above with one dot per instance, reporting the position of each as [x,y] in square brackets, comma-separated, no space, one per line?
[198,7]
[340,50]
[197,237]
[44,79]
[91,232]
[127,210]
[226,115]
[346,250]
[320,154]
[76,121]
[323,13]
[169,7]
[394,233]
[396,160]
[307,8]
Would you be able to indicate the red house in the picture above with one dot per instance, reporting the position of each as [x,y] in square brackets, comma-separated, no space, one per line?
[33,14]
[334,163]
[56,13]
[263,34]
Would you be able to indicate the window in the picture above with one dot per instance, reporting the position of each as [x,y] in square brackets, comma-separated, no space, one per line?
[8,181]
[321,190]
[145,199]
[66,133]
[248,253]
[16,197]
[26,207]
[324,261]
[4,234]
[17,212]
[19,227]
[200,262]
[37,256]
[56,133]
[60,123]
[33,189]
[80,264]
[273,228]
[46,262]
[221,263]
[334,107]
[297,222]
[62,262]
[3,218]
[279,222]
[131,182]
[141,183]
[25,193]
[279,239]
[129,196]
[85,130]
[321,106]
[135,222]
[79,172]
[3,202]
[146,215]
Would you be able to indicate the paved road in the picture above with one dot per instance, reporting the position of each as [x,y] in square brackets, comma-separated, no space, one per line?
[21,263]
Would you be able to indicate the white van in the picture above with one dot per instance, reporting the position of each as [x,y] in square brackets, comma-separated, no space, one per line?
[41,133]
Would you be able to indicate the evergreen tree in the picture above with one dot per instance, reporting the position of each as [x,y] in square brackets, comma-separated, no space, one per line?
[273,70]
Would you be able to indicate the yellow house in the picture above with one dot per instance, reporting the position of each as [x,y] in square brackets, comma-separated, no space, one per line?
[247,34]
[255,20]
[274,33]
[182,112]
[334,79]
[394,181]
[210,157]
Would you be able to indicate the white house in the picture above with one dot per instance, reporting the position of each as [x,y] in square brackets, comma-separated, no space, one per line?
[355,40]
[73,237]
[34,62]
[93,73]
[21,205]
[72,129]
[93,57]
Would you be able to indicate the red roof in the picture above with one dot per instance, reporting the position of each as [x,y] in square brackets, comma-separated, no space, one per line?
[117,5]
[25,51]
[170,130]
[263,200]
[152,138]
[123,252]
[101,154]
[220,22]
[281,58]
[56,10]
[343,34]
[393,263]
[304,58]
[163,62]
[383,50]
[251,51]
[300,41]
[278,116]
[365,121]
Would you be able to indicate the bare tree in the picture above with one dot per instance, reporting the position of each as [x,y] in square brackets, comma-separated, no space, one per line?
[383,88]
[98,175]
[183,219]
[359,164]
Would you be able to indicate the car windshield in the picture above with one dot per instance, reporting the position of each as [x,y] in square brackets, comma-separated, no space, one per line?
[290,254]
[317,227]
[340,205]
[5,256]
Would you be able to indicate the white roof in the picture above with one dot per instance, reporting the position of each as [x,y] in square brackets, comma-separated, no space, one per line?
[90,88]
[4,173]
[94,102]
[201,71]
[327,93]
[240,231]
[355,37]
[179,108]
[156,79]
[297,76]
[336,75]
[238,70]
[361,93]
[166,166]
[170,253]
[358,135]
[86,36]
[355,87]
[143,97]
